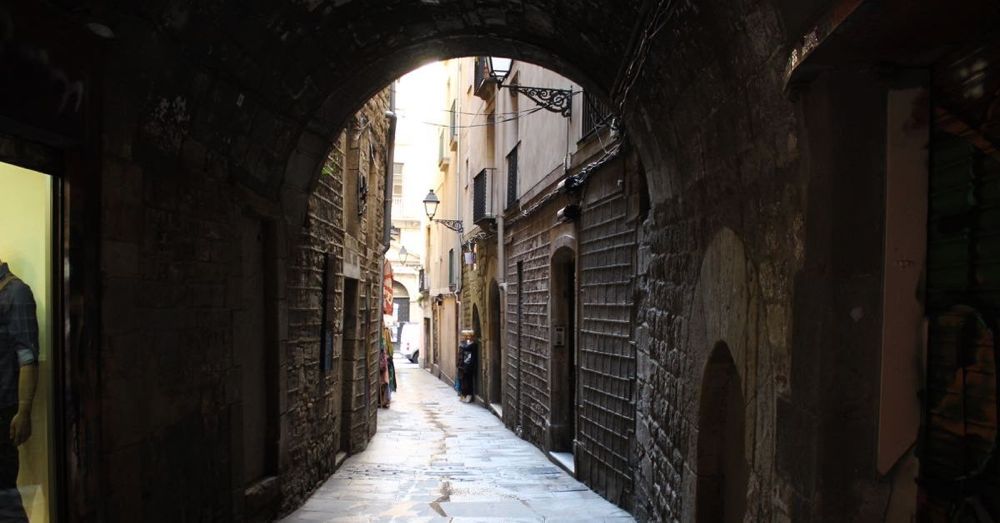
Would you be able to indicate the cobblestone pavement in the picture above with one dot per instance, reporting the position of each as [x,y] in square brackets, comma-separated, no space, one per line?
[437,459]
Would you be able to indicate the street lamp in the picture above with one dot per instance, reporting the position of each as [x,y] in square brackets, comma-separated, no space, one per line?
[431,203]
[403,255]
[554,100]
[499,68]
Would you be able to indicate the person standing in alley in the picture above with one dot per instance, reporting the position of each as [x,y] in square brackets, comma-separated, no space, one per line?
[468,356]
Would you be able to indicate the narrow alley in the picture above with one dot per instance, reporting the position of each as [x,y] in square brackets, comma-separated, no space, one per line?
[437,459]
[691,261]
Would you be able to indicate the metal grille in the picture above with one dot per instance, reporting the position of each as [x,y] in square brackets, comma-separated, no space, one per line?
[512,177]
[528,327]
[607,362]
[595,113]
[479,185]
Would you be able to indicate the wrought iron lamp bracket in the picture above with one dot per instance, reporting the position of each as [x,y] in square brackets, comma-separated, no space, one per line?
[554,100]
[455,225]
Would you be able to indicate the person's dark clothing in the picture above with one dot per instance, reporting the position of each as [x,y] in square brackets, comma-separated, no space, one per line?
[18,348]
[11,507]
[468,363]
[18,333]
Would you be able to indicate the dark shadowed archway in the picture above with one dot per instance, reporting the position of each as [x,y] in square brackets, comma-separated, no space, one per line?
[722,464]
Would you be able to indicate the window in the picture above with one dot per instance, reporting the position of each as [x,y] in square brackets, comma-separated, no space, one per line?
[454,121]
[27,284]
[512,177]
[441,156]
[397,184]
[479,185]
[451,267]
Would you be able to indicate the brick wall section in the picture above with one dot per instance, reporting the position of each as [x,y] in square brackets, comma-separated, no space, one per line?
[606,366]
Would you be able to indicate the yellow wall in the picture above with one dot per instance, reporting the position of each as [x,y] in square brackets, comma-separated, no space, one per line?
[25,245]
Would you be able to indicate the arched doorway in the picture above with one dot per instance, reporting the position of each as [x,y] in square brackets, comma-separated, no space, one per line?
[496,364]
[477,329]
[400,302]
[722,464]
[562,322]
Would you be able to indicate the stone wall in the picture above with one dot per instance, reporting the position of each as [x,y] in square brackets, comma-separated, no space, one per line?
[762,236]
[475,296]
[316,413]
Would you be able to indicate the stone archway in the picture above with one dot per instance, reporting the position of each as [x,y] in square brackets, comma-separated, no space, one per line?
[258,101]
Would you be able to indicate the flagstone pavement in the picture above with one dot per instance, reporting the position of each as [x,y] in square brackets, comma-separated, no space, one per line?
[437,459]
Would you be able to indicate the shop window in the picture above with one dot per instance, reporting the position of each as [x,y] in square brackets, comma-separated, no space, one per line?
[26,344]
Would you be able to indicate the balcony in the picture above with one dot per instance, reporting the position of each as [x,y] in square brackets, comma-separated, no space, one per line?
[483,81]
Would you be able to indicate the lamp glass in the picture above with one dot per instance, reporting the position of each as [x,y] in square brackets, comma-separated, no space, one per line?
[431,203]
[500,68]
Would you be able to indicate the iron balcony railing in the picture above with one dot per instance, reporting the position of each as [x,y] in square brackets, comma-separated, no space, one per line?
[596,114]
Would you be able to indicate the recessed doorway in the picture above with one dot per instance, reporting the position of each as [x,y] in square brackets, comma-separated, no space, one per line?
[562,317]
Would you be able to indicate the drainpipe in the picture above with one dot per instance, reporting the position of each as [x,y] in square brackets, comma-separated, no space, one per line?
[390,160]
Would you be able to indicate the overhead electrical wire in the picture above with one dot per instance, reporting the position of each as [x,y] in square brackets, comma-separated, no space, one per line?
[472,126]
[661,15]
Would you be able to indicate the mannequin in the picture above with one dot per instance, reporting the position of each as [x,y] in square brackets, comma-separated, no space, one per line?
[18,381]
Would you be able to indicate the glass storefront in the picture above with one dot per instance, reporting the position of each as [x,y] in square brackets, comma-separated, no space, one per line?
[27,288]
